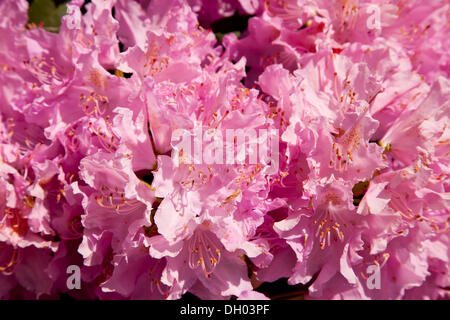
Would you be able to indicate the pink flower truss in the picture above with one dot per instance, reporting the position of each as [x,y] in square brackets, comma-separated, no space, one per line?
[357,92]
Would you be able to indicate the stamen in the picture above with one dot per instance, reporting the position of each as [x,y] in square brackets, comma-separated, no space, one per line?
[203,252]
[7,268]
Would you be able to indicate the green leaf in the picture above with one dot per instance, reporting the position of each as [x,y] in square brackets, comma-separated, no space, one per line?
[45,11]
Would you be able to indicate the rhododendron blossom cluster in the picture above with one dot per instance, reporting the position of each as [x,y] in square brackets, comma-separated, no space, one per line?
[337,112]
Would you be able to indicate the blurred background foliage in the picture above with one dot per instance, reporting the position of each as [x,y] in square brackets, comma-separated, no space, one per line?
[47,13]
